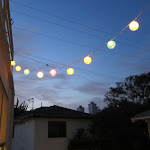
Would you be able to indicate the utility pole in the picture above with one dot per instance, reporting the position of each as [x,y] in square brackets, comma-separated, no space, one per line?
[31,100]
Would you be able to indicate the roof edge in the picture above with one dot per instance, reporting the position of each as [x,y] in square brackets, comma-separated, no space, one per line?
[139,118]
[34,116]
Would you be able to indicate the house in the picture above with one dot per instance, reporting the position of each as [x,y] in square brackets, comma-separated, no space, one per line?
[143,116]
[48,128]
[6,79]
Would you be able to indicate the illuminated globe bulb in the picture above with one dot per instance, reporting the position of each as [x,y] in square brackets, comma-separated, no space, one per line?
[18,68]
[70,71]
[13,63]
[53,72]
[26,71]
[111,44]
[40,74]
[87,60]
[134,25]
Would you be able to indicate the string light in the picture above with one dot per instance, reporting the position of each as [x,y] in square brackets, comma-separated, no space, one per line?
[18,68]
[40,74]
[111,44]
[13,63]
[53,72]
[26,71]
[70,71]
[133,26]
[87,60]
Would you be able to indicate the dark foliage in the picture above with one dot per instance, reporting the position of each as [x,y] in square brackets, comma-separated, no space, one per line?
[83,140]
[19,108]
[115,130]
[112,127]
[134,89]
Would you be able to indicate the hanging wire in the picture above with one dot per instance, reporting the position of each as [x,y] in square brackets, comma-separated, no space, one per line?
[68,20]
[86,45]
[144,9]
[74,30]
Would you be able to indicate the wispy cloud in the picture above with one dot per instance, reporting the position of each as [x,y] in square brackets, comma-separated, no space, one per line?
[99,101]
[21,39]
[137,66]
[93,88]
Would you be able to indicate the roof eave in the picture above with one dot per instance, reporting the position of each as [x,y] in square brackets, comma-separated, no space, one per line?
[140,118]
[33,116]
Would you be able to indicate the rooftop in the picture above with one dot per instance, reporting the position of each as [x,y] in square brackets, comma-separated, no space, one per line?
[142,116]
[54,112]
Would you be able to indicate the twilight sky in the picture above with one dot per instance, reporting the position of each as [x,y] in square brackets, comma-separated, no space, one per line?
[51,33]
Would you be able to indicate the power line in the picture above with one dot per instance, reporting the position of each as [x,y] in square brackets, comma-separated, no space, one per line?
[59,25]
[96,74]
[21,96]
[78,30]
[68,20]
[96,82]
[102,45]
[80,44]
[29,57]
[43,59]
[145,8]
[48,36]
[83,71]
[71,21]
[106,51]
[25,100]
[96,36]
[62,18]
[60,64]
[41,34]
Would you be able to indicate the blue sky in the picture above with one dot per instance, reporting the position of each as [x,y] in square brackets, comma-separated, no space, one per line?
[70,30]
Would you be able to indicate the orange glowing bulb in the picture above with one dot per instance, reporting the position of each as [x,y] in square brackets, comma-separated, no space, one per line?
[18,68]
[87,60]
[134,25]
[53,72]
[40,74]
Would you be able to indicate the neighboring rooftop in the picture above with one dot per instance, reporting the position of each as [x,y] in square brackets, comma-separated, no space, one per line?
[142,116]
[54,112]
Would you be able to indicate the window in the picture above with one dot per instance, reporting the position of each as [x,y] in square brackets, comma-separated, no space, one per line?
[56,129]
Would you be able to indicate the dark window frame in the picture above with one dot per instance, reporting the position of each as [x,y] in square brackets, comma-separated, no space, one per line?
[59,129]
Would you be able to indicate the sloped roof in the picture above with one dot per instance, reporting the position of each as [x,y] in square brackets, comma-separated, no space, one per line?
[54,112]
[142,116]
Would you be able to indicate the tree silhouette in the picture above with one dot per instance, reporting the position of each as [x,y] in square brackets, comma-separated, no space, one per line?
[113,127]
[19,108]
[134,89]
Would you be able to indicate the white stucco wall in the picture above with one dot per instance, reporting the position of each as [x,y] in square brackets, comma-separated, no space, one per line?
[42,142]
[33,134]
[24,136]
